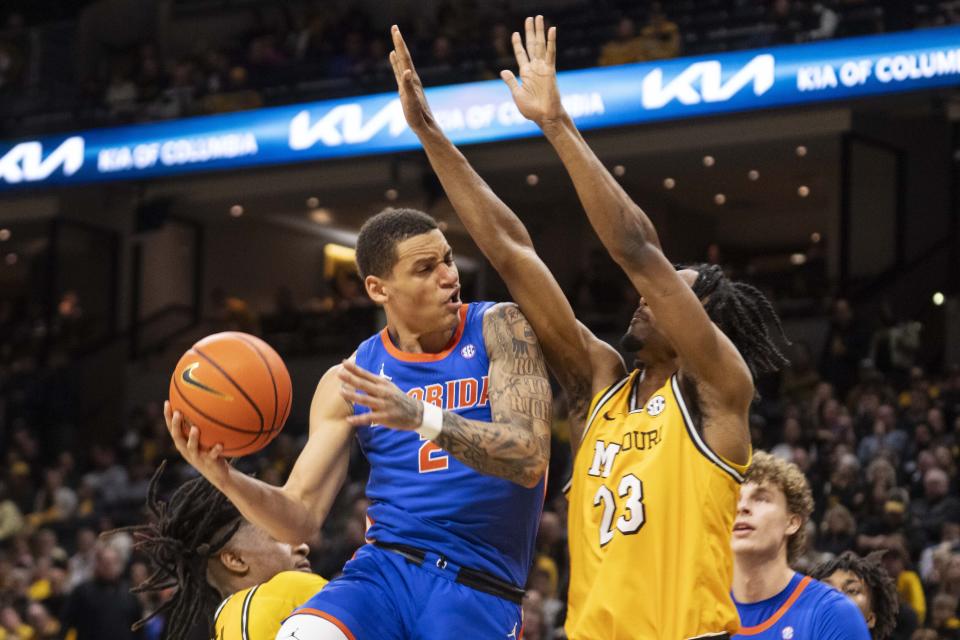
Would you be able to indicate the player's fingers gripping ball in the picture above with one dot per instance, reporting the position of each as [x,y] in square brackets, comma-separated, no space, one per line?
[235,389]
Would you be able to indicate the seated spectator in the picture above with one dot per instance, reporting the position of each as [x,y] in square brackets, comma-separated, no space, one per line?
[12,626]
[943,617]
[120,96]
[11,520]
[54,502]
[908,582]
[236,96]
[44,624]
[937,505]
[950,581]
[827,22]
[800,379]
[939,552]
[103,607]
[884,436]
[837,530]
[625,47]
[661,36]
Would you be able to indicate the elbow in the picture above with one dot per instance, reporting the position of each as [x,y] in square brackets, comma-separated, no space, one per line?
[536,472]
[633,252]
[530,482]
[508,254]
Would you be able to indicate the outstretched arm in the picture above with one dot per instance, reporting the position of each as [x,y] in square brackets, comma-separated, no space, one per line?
[583,364]
[705,353]
[294,512]
[516,444]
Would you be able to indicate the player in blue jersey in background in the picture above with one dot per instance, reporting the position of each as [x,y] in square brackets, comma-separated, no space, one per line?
[867,583]
[452,406]
[774,601]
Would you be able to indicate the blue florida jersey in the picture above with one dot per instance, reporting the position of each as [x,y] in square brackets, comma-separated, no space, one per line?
[805,610]
[421,495]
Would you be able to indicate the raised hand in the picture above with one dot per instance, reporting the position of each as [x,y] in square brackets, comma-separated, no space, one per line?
[538,97]
[210,463]
[414,102]
[389,406]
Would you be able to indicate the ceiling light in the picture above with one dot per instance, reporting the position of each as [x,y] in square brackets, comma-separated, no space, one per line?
[4,235]
[709,161]
[619,170]
[938,298]
[391,194]
[720,199]
[236,211]
[11,259]
[753,174]
[321,215]
[669,183]
[803,191]
[533,179]
[313,202]
[798,259]
[815,237]
[801,151]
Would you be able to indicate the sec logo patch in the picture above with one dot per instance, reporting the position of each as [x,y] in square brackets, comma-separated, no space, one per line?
[468,351]
[656,405]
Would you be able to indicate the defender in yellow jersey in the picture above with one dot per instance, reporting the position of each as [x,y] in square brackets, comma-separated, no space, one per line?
[199,543]
[650,540]
[256,613]
[651,507]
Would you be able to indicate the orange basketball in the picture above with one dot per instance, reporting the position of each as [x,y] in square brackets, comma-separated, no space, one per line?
[235,389]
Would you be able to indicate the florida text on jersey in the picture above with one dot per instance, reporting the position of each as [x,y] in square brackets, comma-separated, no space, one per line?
[651,510]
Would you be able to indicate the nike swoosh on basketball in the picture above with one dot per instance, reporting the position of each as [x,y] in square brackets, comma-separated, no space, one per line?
[187,376]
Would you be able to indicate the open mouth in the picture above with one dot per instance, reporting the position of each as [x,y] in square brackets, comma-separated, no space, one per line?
[454,299]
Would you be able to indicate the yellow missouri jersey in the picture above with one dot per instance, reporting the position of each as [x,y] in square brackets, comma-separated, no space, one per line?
[651,515]
[257,613]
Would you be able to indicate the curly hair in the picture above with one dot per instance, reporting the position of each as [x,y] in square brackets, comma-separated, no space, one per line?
[880,586]
[187,530]
[769,469]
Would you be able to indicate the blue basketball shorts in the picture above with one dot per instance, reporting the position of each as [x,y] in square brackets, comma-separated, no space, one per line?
[383,596]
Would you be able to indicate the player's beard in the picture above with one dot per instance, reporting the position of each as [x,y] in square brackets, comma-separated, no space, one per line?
[630,343]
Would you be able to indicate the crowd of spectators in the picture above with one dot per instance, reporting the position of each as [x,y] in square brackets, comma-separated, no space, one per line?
[878,438]
[315,50]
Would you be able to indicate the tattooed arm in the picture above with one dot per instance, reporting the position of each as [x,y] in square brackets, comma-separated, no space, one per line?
[516,445]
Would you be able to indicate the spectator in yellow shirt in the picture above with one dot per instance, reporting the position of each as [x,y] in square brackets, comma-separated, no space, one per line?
[660,35]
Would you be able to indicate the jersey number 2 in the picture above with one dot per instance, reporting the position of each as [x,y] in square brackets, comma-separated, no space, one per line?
[432,457]
[631,488]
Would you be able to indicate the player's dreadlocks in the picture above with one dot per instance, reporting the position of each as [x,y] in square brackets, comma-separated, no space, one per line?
[742,312]
[186,531]
[883,591]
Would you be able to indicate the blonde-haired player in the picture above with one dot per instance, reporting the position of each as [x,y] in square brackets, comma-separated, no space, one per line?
[664,447]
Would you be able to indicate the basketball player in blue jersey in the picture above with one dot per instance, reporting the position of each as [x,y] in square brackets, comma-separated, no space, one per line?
[774,601]
[452,406]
